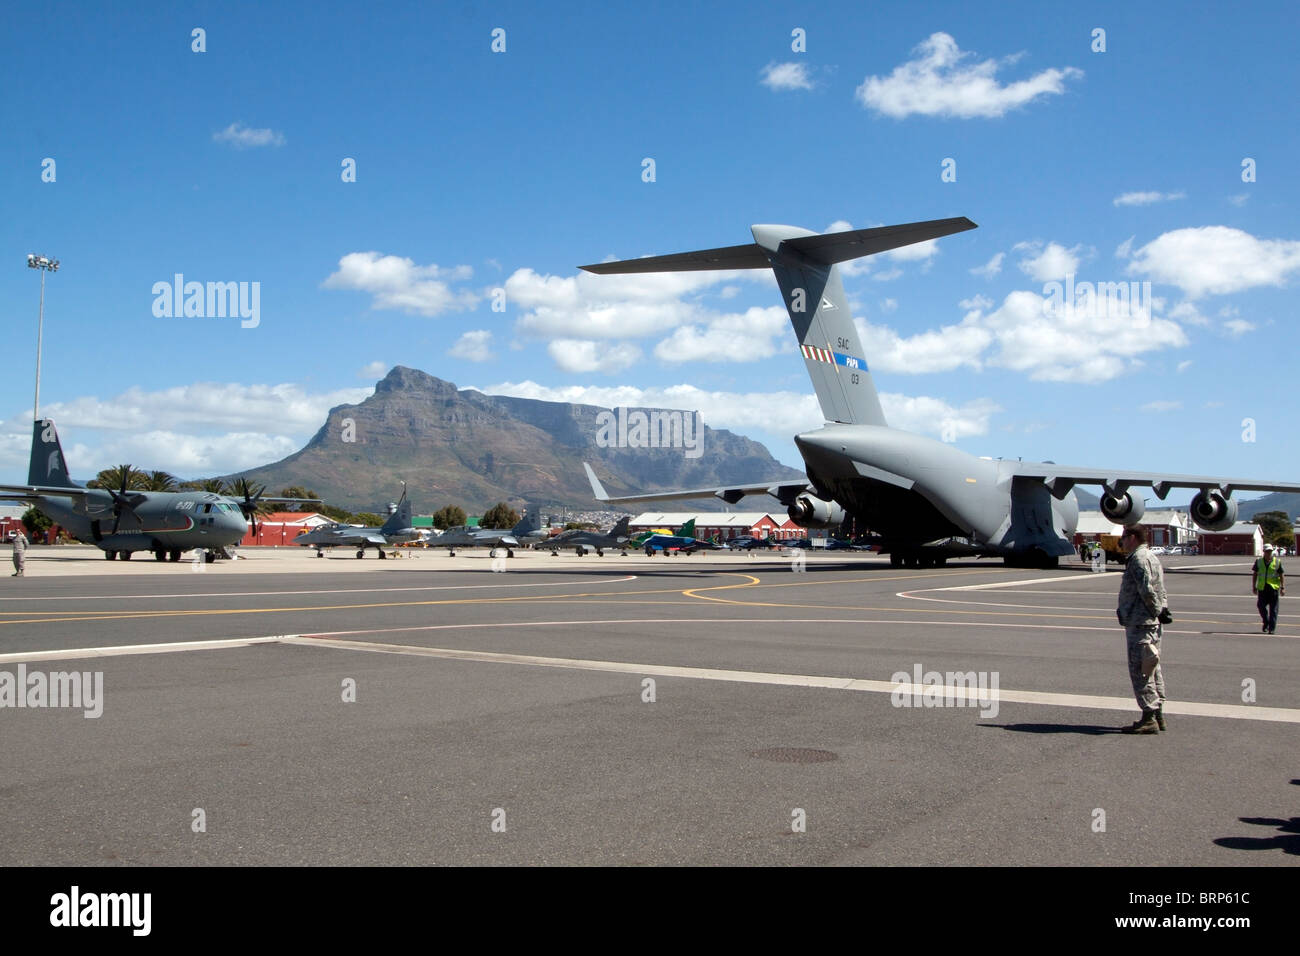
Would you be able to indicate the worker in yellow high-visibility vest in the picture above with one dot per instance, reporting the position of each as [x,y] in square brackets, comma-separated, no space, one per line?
[1268,581]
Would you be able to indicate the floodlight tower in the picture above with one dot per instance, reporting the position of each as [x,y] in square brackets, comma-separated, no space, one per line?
[45,265]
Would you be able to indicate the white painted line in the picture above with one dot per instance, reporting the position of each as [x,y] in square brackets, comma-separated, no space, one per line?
[127,649]
[1187,708]
[1015,584]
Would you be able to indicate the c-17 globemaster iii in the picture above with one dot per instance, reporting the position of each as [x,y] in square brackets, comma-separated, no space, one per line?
[912,490]
[122,521]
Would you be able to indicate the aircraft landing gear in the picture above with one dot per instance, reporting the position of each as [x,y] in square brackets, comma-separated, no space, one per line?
[361,553]
[382,554]
[579,551]
[895,559]
[600,553]
[510,552]
[320,554]
[160,555]
[110,555]
[174,555]
[126,555]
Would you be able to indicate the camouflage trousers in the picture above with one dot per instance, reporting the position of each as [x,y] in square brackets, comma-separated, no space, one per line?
[1149,691]
[20,563]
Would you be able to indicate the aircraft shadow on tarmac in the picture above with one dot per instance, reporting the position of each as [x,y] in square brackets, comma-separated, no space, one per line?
[1287,839]
[1091,730]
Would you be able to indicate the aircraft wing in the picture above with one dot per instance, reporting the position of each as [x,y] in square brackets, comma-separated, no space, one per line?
[1061,478]
[26,492]
[784,491]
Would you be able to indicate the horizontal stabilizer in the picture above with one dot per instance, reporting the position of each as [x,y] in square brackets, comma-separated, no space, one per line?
[833,247]
[749,256]
[827,249]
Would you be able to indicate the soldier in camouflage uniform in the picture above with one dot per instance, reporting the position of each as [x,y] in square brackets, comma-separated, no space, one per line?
[20,553]
[1142,600]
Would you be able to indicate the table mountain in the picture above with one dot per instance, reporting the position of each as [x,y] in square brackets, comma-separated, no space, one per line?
[467,448]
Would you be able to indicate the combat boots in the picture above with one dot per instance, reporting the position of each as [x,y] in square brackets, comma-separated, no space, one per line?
[1160,718]
[1146,725]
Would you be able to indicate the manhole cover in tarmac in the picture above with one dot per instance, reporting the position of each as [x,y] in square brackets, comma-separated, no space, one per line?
[795,755]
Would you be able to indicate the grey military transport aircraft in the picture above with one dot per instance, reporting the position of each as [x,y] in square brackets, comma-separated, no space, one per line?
[396,530]
[527,531]
[925,498]
[583,540]
[122,521]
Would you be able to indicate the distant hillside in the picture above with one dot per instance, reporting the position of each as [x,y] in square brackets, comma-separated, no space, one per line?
[471,449]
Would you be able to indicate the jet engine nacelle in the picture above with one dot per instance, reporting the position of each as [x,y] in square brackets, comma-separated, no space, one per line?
[1125,509]
[810,512]
[1213,512]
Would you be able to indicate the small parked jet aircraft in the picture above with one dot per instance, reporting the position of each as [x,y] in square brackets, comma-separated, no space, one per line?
[123,521]
[581,539]
[527,531]
[396,530]
[910,489]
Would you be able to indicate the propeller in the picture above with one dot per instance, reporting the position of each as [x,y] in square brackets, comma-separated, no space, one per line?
[124,502]
[248,506]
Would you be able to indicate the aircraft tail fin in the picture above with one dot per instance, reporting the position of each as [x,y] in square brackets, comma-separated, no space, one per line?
[530,522]
[400,516]
[620,530]
[804,263]
[687,530]
[48,467]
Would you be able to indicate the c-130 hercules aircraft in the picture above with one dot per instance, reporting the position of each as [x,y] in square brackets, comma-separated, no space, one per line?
[911,490]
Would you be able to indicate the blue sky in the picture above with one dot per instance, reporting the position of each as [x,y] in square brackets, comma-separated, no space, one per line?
[479,170]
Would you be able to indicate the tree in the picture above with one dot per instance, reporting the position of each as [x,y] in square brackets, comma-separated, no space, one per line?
[214,485]
[35,523]
[112,478]
[1276,528]
[500,515]
[451,516]
[369,519]
[578,525]
[159,481]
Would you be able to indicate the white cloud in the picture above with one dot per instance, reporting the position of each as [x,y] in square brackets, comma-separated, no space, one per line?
[396,282]
[1098,339]
[740,337]
[473,346]
[1048,263]
[191,430]
[1188,313]
[375,369]
[887,275]
[1239,199]
[990,268]
[939,350]
[938,83]
[588,306]
[888,305]
[1184,365]
[241,137]
[585,355]
[1161,405]
[1125,248]
[778,413]
[980,302]
[1146,198]
[1215,260]
[786,76]
[1239,327]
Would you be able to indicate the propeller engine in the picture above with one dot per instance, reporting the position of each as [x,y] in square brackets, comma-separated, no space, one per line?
[244,489]
[1213,511]
[123,501]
